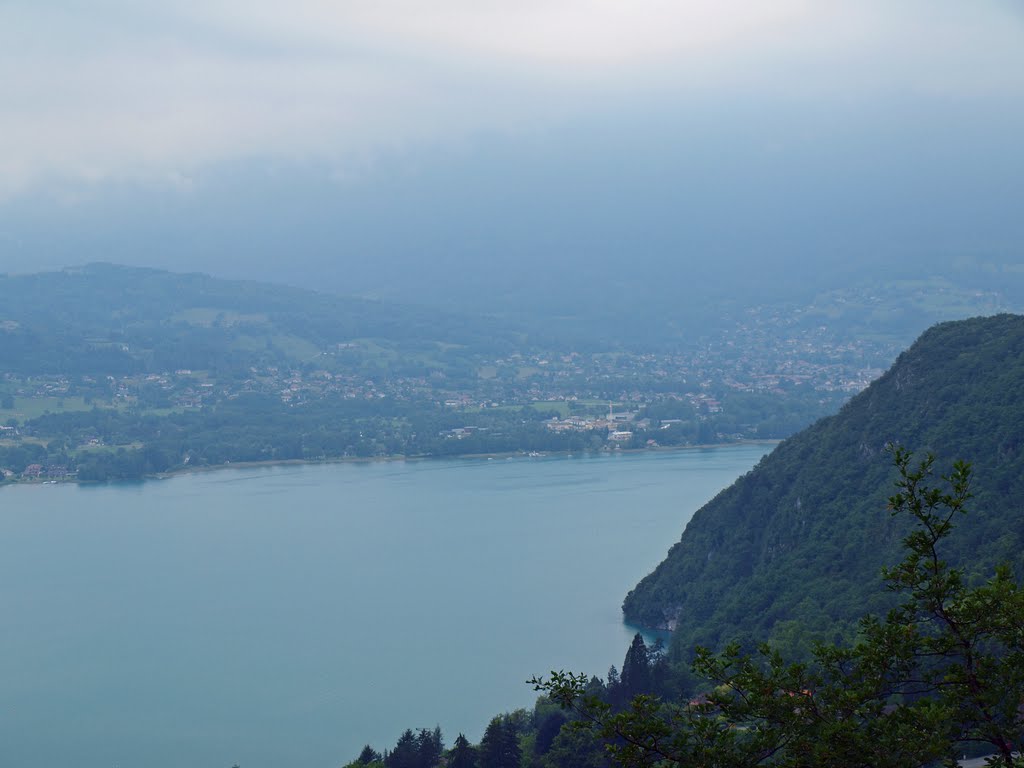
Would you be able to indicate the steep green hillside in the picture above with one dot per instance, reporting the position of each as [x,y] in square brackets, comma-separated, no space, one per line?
[801,538]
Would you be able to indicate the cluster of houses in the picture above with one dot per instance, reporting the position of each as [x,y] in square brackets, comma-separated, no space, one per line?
[615,423]
[40,471]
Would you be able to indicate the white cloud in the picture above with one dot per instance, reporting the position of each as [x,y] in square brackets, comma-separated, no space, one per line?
[114,89]
[552,33]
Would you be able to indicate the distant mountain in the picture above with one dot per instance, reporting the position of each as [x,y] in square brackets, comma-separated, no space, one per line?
[104,319]
[793,549]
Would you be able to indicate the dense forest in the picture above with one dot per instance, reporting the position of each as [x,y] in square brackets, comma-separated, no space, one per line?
[103,318]
[792,551]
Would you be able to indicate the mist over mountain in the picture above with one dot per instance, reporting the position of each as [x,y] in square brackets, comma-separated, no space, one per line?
[636,173]
[646,229]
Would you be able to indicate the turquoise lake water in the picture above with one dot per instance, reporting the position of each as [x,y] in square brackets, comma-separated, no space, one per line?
[285,616]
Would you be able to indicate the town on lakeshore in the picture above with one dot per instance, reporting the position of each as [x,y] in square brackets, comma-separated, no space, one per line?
[714,393]
[177,372]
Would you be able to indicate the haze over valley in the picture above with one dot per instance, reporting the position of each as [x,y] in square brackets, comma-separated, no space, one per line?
[360,363]
[633,176]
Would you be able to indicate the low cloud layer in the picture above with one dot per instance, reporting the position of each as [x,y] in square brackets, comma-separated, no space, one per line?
[114,90]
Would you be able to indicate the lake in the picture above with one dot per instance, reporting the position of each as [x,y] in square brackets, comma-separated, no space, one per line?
[287,615]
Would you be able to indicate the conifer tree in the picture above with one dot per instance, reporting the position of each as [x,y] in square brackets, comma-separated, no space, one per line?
[406,752]
[462,755]
[429,747]
[499,748]
[368,755]
[636,669]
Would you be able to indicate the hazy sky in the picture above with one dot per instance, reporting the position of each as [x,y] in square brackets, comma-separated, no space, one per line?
[125,89]
[168,133]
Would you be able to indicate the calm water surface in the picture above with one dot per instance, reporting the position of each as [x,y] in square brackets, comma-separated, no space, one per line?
[287,615]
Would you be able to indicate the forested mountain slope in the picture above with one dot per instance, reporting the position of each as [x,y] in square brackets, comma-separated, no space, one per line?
[801,538]
[103,318]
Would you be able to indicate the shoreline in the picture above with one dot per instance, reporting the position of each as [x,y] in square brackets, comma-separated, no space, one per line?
[477,456]
[375,459]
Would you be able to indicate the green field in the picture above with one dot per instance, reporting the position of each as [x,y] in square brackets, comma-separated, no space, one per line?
[26,408]
[32,407]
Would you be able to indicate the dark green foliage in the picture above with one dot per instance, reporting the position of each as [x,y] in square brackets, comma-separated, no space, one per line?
[644,670]
[636,669]
[422,749]
[405,753]
[462,754]
[792,550]
[429,747]
[548,729]
[368,755]
[576,748]
[941,674]
[499,747]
